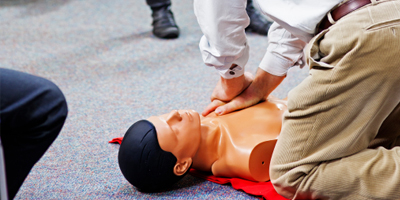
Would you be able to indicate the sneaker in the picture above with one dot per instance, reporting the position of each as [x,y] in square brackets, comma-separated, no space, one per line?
[164,25]
[258,23]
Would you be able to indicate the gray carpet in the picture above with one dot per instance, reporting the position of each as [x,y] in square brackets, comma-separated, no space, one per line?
[113,72]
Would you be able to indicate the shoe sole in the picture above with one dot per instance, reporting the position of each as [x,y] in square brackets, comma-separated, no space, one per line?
[168,33]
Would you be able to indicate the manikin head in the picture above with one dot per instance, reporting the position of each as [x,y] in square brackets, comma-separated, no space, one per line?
[158,152]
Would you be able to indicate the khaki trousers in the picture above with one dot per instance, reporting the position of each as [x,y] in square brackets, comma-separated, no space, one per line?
[341,133]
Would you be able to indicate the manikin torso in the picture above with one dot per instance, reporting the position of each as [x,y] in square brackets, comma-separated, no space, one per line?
[240,144]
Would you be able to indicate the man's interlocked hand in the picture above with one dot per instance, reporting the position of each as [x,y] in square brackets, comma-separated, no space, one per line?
[241,92]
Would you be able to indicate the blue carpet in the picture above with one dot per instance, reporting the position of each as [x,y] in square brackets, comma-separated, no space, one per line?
[113,72]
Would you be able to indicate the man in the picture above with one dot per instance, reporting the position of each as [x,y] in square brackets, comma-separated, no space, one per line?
[32,113]
[164,25]
[340,135]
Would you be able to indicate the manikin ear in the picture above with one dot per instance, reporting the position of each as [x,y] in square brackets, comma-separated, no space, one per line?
[181,167]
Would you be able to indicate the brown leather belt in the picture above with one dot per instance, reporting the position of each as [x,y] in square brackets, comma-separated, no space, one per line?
[341,11]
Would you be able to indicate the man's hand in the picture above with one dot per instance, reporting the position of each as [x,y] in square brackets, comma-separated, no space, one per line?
[227,89]
[258,90]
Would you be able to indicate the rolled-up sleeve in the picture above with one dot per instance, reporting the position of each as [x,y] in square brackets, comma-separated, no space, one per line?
[284,51]
[224,42]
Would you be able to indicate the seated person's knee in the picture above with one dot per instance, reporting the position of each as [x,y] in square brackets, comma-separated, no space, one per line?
[285,182]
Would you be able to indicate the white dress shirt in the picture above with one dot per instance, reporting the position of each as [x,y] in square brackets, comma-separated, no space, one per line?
[223,23]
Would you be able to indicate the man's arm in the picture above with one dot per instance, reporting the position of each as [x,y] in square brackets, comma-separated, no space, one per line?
[284,51]
[224,47]
[224,44]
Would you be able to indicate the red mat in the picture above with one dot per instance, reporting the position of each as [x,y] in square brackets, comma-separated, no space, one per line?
[264,190]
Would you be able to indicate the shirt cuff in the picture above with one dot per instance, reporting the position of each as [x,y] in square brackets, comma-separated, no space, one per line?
[275,65]
[234,69]
[228,67]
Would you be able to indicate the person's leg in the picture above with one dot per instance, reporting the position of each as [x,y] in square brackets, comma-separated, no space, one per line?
[389,133]
[158,3]
[32,113]
[335,114]
[164,25]
[258,23]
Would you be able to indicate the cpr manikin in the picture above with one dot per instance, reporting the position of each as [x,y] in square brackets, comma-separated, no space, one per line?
[239,144]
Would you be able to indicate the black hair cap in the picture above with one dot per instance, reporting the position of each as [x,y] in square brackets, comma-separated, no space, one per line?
[142,161]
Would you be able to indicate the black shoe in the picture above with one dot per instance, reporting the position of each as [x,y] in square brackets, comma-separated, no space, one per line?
[164,25]
[258,23]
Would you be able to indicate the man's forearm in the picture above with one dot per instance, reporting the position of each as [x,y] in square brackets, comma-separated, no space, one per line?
[265,82]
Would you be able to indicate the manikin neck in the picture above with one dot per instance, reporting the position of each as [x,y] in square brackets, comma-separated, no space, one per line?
[207,152]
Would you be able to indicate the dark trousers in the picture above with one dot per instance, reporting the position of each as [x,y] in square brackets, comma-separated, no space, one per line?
[32,113]
[158,3]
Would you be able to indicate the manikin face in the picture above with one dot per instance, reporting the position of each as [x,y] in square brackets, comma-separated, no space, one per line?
[178,132]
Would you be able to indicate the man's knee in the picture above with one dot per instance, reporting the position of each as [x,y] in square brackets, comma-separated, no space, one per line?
[288,177]
[31,105]
[54,96]
[52,106]
[42,110]
[284,183]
